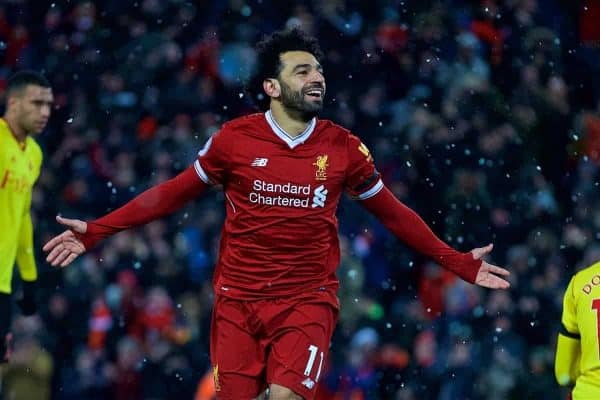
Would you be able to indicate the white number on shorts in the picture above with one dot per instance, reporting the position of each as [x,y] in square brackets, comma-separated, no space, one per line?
[313,350]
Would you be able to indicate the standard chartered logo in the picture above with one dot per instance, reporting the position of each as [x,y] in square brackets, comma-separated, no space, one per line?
[320,196]
[287,195]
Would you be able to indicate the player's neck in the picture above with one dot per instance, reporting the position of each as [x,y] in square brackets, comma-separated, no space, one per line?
[19,134]
[292,125]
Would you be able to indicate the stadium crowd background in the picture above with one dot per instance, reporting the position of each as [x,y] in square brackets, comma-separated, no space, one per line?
[484,116]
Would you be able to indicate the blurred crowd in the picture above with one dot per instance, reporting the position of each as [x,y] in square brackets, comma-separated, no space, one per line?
[483,116]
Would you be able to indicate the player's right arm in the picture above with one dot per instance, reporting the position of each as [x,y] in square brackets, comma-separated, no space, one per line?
[210,168]
[150,205]
[568,347]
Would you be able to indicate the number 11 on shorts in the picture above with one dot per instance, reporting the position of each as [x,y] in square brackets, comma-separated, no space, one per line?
[312,355]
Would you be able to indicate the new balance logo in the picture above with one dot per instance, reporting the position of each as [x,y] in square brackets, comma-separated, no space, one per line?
[309,383]
[260,162]
[320,197]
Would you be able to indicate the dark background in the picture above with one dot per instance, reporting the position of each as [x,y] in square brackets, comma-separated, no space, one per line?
[483,116]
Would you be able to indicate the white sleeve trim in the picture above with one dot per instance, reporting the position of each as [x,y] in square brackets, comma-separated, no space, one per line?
[371,192]
[201,172]
[204,150]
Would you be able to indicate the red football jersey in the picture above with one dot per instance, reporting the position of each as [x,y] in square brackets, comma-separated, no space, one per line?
[280,235]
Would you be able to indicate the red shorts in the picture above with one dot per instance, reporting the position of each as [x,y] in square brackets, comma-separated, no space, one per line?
[283,341]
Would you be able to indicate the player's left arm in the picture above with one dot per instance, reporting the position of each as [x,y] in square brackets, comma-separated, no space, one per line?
[409,227]
[26,262]
[364,184]
[25,254]
[568,346]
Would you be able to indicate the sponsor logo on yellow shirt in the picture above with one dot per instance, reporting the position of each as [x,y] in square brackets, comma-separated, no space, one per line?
[11,181]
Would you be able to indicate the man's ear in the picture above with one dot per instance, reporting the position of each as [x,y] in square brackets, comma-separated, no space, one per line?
[12,101]
[271,87]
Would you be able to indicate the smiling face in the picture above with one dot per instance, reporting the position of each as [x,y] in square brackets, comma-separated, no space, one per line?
[300,86]
[32,106]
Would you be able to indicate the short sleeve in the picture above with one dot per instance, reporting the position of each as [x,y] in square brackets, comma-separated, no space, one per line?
[362,178]
[212,162]
[569,314]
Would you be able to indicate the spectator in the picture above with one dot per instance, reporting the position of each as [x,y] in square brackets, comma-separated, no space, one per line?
[502,90]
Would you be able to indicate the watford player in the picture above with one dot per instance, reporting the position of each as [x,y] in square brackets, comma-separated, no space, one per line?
[578,347]
[28,105]
[283,172]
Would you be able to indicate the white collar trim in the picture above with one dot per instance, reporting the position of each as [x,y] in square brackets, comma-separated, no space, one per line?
[283,135]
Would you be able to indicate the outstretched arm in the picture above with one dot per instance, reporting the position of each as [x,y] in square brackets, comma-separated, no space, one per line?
[411,229]
[152,204]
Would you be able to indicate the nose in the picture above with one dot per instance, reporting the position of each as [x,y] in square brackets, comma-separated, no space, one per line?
[317,76]
[45,111]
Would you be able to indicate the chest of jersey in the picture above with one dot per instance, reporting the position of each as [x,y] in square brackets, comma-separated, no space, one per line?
[270,175]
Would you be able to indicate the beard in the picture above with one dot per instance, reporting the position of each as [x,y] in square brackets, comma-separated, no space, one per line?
[295,103]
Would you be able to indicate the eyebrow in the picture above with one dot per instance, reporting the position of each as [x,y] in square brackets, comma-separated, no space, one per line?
[299,66]
[44,102]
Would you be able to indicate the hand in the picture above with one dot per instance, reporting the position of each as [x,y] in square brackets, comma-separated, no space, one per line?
[487,274]
[66,247]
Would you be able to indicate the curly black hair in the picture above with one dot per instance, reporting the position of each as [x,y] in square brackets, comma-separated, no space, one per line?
[268,65]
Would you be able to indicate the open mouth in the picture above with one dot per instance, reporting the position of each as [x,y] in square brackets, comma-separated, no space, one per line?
[315,93]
